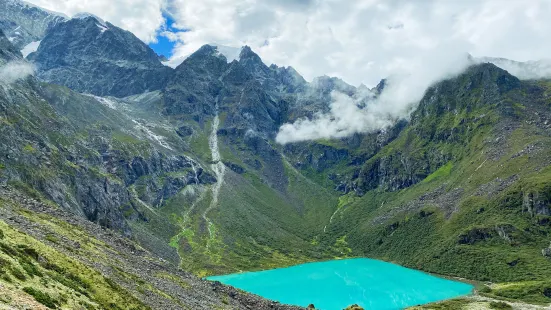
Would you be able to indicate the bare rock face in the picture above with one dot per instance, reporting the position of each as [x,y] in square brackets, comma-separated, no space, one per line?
[7,50]
[24,23]
[536,204]
[546,252]
[89,55]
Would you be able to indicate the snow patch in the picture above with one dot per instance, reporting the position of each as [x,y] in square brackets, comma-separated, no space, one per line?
[85,15]
[174,62]
[102,28]
[30,48]
[218,168]
[231,53]
[30,5]
[151,135]
[106,102]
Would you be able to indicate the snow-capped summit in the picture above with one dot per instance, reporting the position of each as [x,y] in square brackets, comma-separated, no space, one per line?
[231,53]
[24,23]
[84,15]
[100,58]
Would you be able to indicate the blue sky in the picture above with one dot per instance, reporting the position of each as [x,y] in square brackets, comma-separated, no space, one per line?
[164,46]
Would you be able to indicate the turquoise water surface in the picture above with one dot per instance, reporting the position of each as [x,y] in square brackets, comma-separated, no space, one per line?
[334,285]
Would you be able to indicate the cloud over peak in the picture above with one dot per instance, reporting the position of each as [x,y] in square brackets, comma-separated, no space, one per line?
[360,41]
[413,43]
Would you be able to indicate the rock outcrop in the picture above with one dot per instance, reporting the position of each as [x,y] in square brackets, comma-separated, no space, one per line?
[89,55]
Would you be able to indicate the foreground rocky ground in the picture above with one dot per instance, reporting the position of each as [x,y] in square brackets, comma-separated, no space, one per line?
[477,302]
[69,260]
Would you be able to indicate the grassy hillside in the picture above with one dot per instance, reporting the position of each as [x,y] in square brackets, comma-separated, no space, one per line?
[52,259]
[482,211]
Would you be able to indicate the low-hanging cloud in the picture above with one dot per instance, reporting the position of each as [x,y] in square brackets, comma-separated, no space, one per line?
[359,41]
[529,70]
[15,70]
[403,91]
[356,40]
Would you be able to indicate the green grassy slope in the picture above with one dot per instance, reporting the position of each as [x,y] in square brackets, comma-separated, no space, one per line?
[480,209]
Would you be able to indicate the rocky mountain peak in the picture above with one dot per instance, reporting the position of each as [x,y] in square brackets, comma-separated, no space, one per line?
[480,87]
[380,87]
[247,55]
[485,74]
[253,63]
[327,84]
[24,23]
[205,59]
[99,58]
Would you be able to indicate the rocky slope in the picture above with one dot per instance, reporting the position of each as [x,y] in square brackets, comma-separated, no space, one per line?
[89,55]
[64,261]
[24,23]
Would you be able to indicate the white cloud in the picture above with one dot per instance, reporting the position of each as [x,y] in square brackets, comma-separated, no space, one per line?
[141,17]
[15,70]
[399,98]
[360,41]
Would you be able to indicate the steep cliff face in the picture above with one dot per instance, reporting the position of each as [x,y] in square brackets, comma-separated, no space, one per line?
[7,50]
[96,57]
[83,155]
[24,23]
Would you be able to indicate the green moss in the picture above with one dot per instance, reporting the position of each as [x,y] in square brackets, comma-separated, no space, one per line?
[29,149]
[69,277]
[454,304]
[442,172]
[52,238]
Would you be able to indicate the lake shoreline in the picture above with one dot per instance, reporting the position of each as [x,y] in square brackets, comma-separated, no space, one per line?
[375,283]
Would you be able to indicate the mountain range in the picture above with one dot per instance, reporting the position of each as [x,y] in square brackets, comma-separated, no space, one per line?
[146,177]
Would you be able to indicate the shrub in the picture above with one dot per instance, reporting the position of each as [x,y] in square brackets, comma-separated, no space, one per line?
[52,266]
[8,249]
[3,263]
[30,268]
[500,305]
[30,252]
[18,274]
[41,297]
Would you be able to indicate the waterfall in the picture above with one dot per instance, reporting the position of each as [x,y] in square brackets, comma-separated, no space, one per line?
[217,167]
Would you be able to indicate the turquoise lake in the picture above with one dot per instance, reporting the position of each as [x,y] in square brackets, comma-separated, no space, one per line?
[334,285]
